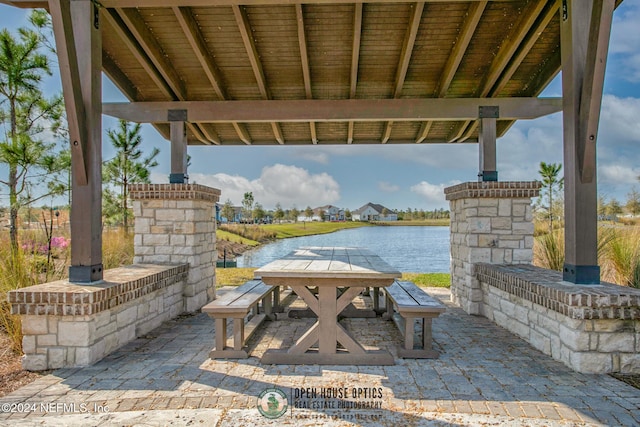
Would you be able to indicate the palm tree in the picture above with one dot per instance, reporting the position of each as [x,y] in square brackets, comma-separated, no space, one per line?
[549,173]
[21,70]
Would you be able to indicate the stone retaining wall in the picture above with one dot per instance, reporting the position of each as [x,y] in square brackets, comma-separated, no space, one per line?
[592,329]
[67,325]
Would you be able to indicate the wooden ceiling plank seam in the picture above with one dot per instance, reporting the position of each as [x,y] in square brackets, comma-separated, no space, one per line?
[355,60]
[304,59]
[136,50]
[118,78]
[197,132]
[405,59]
[193,34]
[525,48]
[244,26]
[195,38]
[150,45]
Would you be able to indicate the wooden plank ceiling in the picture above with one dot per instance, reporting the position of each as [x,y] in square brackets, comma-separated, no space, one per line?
[221,50]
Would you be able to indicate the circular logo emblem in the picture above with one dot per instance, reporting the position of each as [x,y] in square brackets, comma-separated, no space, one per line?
[272,403]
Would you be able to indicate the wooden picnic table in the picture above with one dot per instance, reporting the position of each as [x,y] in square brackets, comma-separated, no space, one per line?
[340,274]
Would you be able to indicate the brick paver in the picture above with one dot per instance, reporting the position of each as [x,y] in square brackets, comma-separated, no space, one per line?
[484,376]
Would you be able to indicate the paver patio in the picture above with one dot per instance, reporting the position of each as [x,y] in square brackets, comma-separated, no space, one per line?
[484,376]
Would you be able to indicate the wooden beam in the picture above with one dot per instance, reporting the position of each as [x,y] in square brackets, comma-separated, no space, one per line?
[81,20]
[488,170]
[425,127]
[204,3]
[304,60]
[591,97]
[340,110]
[581,225]
[70,75]
[247,38]
[355,60]
[405,58]
[178,153]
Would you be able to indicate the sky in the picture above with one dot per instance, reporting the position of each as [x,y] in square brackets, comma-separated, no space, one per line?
[409,176]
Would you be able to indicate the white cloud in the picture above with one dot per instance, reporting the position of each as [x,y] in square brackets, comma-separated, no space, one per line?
[617,174]
[432,194]
[312,154]
[284,184]
[625,40]
[387,187]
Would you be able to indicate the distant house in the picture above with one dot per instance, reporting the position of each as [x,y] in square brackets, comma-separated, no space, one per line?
[374,212]
[324,213]
[237,214]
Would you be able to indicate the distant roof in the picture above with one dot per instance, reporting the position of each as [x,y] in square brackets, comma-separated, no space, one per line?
[329,71]
[377,207]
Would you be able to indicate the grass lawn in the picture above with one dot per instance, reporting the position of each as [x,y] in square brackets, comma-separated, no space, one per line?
[231,237]
[298,229]
[237,276]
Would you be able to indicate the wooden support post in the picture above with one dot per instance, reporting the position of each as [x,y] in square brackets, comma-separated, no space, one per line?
[582,74]
[178,118]
[76,26]
[487,143]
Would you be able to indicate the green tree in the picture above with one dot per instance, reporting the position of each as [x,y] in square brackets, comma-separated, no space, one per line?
[347,215]
[279,213]
[25,114]
[552,185]
[227,211]
[258,212]
[614,208]
[308,212]
[247,206]
[127,167]
[633,201]
[293,214]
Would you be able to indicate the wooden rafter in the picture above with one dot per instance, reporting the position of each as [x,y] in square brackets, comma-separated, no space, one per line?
[405,58]
[245,31]
[197,42]
[474,14]
[304,59]
[355,60]
[152,49]
[502,59]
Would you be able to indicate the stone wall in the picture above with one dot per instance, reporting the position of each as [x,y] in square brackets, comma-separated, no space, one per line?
[491,222]
[592,329]
[175,223]
[65,324]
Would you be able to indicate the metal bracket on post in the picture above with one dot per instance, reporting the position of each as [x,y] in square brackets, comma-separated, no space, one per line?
[489,112]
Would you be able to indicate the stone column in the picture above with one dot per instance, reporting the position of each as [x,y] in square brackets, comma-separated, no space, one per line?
[491,222]
[175,224]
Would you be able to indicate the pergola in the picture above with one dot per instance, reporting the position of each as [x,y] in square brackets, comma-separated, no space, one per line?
[317,72]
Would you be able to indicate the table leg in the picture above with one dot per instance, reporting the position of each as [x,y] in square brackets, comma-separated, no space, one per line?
[327,317]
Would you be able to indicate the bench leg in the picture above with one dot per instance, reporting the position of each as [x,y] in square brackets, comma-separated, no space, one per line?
[408,333]
[276,300]
[376,300]
[388,304]
[238,333]
[221,334]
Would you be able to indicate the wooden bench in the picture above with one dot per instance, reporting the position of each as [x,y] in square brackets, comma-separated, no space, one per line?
[411,303]
[236,304]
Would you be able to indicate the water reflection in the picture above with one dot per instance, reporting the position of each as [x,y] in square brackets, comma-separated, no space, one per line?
[409,249]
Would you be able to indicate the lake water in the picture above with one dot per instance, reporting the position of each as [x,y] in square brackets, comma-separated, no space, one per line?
[407,248]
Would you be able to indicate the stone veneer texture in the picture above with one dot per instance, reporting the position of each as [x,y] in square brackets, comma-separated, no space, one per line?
[175,223]
[590,328]
[66,324]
